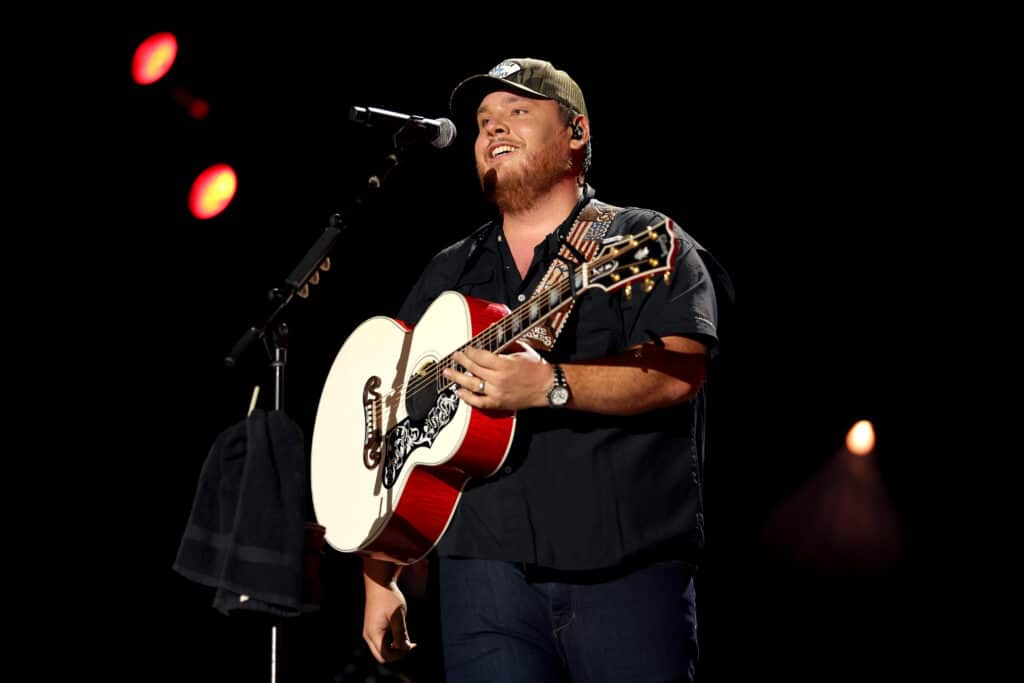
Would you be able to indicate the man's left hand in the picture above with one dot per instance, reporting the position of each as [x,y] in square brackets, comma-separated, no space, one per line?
[501,381]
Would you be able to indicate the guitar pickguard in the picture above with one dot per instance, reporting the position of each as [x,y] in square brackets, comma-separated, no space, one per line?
[408,435]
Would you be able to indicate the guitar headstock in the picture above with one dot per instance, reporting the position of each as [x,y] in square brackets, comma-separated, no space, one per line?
[644,255]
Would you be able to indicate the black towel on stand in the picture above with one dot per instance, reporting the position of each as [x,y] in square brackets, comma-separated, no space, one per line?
[245,532]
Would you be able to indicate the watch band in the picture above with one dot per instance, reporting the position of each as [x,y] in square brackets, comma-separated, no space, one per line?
[560,376]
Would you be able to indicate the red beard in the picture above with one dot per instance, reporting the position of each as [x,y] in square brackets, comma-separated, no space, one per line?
[517,189]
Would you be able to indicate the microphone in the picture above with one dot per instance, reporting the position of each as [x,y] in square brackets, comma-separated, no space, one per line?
[438,132]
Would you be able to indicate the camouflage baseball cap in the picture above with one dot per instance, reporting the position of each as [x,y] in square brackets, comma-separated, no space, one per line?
[533,77]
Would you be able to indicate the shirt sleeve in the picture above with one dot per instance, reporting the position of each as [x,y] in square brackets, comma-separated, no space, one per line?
[684,306]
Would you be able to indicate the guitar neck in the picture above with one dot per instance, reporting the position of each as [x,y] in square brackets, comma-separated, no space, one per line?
[504,333]
[621,262]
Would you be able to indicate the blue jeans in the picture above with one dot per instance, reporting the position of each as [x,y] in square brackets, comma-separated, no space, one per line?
[505,622]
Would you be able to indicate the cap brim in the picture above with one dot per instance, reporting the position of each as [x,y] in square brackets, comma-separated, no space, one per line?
[467,95]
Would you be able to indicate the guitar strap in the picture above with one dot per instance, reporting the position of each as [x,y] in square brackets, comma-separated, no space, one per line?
[583,241]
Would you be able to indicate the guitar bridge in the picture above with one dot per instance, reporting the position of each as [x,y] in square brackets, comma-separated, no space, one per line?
[372,441]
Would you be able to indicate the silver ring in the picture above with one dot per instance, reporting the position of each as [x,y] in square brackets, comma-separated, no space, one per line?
[480,389]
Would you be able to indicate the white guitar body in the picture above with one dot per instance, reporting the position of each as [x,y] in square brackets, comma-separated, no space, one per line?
[350,497]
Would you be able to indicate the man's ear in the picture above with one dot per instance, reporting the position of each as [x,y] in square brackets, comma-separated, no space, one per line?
[580,128]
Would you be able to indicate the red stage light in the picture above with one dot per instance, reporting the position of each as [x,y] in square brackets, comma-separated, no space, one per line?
[212,191]
[154,57]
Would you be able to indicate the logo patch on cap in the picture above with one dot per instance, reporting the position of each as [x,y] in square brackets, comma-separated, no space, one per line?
[504,70]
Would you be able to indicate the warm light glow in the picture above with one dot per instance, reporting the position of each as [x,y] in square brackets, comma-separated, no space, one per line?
[212,191]
[154,57]
[861,438]
[198,108]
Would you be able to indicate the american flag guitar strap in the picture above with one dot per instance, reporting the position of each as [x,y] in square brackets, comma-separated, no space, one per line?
[585,237]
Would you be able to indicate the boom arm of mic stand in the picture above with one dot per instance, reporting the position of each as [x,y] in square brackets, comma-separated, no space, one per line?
[317,258]
[305,273]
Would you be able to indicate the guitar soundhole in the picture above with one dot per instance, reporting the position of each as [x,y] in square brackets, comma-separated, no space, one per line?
[421,392]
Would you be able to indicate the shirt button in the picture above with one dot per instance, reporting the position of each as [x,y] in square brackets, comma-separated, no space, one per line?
[507,469]
[521,297]
[499,238]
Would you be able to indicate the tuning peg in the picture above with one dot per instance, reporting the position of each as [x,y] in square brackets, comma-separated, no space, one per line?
[667,274]
[629,292]
[634,269]
[304,292]
[314,279]
[648,284]
[326,265]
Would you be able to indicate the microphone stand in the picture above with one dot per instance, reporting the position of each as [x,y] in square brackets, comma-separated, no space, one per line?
[273,331]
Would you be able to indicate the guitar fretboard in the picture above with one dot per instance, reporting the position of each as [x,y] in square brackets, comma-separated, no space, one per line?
[503,333]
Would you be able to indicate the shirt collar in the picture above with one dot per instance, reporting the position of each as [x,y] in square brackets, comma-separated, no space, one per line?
[491,235]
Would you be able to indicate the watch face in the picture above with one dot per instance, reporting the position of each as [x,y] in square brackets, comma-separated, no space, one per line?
[559,396]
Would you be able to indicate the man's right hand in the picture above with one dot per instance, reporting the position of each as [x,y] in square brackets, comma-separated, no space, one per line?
[384,627]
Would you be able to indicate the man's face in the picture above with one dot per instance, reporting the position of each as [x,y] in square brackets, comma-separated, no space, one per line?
[522,148]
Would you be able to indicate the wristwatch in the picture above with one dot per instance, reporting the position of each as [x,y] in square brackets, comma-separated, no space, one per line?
[558,394]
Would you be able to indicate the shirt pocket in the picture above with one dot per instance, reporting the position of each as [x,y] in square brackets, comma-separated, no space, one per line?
[597,326]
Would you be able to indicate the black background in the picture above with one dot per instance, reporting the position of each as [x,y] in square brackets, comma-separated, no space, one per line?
[794,156]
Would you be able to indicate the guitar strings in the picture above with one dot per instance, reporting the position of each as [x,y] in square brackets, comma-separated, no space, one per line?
[520,316]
